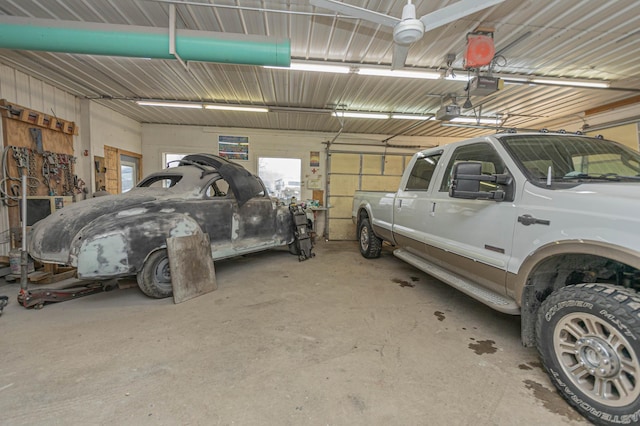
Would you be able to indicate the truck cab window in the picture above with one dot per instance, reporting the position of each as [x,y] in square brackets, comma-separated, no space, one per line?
[482,153]
[421,173]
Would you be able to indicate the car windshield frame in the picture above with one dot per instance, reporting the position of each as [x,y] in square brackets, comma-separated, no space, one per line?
[574,159]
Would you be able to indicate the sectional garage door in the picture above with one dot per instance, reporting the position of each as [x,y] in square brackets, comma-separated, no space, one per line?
[350,171]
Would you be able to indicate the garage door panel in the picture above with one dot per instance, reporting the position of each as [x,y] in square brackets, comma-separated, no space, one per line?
[345,163]
[380,183]
[342,229]
[393,165]
[340,207]
[371,164]
[351,171]
[344,184]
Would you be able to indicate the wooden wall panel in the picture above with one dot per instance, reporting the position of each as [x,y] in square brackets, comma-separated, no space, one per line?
[18,123]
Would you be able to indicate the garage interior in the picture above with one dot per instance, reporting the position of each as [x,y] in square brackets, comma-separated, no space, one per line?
[117,89]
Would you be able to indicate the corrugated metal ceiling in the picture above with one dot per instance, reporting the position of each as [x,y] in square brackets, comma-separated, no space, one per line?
[593,39]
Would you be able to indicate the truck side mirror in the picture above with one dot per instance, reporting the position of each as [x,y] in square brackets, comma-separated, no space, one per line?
[465,182]
[465,179]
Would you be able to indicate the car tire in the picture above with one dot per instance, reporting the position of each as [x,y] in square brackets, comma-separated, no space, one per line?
[154,279]
[588,336]
[370,244]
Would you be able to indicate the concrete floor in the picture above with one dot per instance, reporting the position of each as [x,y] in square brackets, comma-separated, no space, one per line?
[335,340]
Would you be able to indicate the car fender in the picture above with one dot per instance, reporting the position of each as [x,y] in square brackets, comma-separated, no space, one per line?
[117,244]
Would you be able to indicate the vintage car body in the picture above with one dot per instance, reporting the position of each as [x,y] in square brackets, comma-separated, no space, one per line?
[123,235]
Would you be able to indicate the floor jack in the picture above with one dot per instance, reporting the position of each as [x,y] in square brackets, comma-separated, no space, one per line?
[38,298]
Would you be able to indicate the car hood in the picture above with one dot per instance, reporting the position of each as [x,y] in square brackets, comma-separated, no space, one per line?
[602,201]
[50,238]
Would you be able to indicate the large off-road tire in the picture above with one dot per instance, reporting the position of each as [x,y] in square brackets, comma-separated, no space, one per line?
[370,244]
[154,279]
[589,339]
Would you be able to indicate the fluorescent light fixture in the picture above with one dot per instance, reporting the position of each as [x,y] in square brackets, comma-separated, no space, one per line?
[411,117]
[350,114]
[515,80]
[237,108]
[474,120]
[192,105]
[430,75]
[316,67]
[599,84]
[457,77]
[337,69]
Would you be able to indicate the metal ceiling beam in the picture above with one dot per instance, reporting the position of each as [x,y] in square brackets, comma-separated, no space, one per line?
[141,42]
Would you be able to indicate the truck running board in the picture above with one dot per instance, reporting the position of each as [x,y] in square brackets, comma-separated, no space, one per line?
[494,300]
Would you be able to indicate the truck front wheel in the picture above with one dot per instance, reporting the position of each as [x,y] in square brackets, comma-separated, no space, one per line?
[370,244]
[588,336]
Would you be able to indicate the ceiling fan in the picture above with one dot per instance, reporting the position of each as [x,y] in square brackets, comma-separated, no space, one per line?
[408,29]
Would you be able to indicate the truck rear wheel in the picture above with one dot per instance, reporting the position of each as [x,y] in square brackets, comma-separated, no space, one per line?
[589,339]
[370,244]
[154,279]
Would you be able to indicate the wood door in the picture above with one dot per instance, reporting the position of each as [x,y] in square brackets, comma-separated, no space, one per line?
[112,175]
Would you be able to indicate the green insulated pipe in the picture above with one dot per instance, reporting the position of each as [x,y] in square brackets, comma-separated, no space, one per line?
[141,42]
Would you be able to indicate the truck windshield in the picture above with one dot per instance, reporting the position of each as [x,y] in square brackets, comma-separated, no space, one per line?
[572,159]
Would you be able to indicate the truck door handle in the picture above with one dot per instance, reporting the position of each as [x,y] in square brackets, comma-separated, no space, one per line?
[527,220]
[400,203]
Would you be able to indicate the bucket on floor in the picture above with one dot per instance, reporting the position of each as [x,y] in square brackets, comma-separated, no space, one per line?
[14,262]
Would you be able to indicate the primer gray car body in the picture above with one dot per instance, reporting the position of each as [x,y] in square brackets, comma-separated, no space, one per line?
[112,236]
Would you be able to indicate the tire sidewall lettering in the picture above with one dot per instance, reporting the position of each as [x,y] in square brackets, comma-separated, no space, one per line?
[566,304]
[603,313]
[624,419]
[619,324]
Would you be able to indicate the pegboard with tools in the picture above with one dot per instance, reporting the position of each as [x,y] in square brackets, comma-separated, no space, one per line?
[41,148]
[48,173]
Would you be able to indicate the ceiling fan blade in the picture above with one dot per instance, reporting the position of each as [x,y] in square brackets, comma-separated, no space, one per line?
[400,52]
[454,12]
[356,12]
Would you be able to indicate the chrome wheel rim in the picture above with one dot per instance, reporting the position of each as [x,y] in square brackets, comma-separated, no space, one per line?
[598,359]
[364,238]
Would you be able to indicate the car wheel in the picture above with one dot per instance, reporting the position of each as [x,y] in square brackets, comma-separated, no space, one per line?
[154,279]
[370,244]
[588,336]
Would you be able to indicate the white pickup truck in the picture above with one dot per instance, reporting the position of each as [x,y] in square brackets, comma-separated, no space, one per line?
[542,225]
